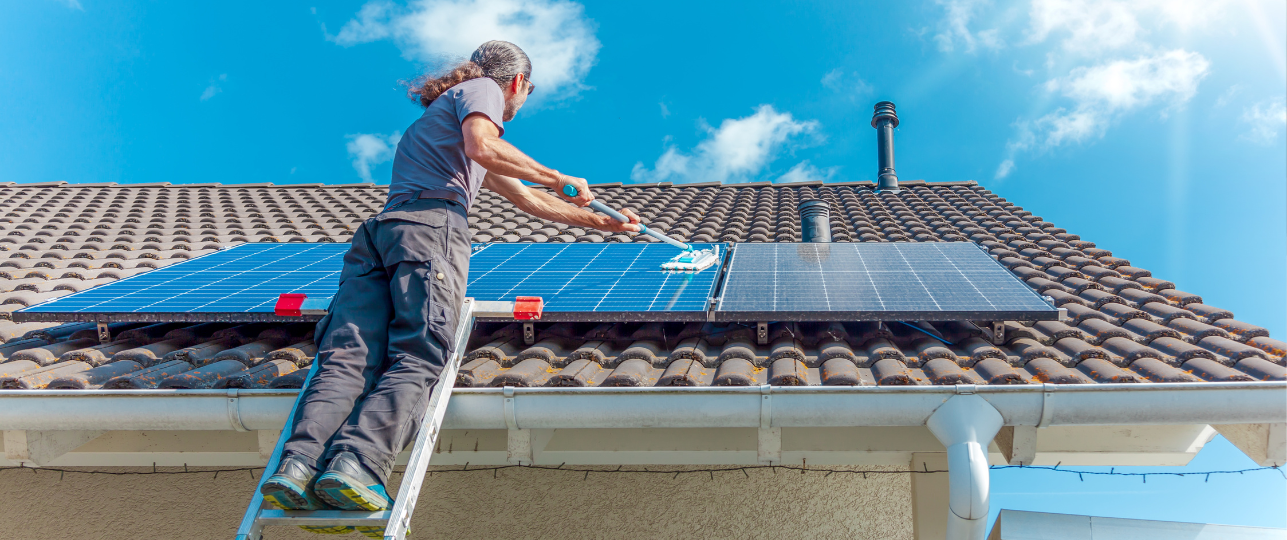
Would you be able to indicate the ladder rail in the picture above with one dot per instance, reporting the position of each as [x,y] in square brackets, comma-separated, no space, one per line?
[397,519]
[413,475]
[250,528]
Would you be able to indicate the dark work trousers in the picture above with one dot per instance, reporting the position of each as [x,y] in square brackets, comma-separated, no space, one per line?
[386,336]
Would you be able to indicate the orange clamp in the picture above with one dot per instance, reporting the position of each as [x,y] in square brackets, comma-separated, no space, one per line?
[528,308]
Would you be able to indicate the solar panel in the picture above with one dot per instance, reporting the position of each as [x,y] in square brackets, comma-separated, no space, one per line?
[579,282]
[241,283]
[925,281]
[594,282]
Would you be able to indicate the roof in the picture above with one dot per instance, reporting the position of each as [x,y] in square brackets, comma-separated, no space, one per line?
[1124,326]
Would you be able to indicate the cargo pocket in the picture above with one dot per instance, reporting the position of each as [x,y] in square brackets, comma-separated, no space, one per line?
[444,304]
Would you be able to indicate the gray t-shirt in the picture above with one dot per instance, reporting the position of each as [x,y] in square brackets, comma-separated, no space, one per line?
[431,154]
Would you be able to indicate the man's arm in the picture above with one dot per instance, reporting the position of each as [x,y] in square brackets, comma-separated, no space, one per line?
[484,145]
[545,206]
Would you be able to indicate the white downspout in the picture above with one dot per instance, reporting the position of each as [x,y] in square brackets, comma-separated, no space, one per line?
[966,424]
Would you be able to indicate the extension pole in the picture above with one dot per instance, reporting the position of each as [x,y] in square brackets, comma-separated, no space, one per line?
[571,191]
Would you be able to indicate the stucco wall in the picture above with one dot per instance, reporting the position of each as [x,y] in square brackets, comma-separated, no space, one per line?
[518,503]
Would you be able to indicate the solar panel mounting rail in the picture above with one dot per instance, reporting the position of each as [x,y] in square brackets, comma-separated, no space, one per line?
[397,519]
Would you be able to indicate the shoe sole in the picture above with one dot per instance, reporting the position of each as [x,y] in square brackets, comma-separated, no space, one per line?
[339,491]
[286,495]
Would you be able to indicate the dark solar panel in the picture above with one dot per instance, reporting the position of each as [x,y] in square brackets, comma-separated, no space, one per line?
[235,284]
[582,282]
[594,282]
[930,281]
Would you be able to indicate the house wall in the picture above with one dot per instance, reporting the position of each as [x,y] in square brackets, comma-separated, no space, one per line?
[517,503]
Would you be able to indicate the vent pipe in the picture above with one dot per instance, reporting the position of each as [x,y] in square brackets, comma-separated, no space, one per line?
[815,221]
[885,120]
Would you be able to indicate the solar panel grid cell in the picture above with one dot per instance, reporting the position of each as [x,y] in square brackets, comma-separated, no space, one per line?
[873,281]
[593,281]
[244,279]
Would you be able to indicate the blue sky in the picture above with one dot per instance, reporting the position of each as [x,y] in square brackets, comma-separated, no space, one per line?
[1153,128]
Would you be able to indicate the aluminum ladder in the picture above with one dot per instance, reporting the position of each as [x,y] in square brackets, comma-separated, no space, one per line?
[397,519]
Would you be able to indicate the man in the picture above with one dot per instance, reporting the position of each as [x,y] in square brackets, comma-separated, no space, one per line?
[389,330]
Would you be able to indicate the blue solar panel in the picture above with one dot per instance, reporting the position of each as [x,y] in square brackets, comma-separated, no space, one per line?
[929,281]
[577,281]
[245,279]
[594,281]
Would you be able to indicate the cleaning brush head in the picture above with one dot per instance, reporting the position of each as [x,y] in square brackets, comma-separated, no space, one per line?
[693,260]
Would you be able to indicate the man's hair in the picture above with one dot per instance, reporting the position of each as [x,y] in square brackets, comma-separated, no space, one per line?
[499,61]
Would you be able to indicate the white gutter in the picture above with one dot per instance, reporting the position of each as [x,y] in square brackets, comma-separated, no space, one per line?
[677,407]
[964,418]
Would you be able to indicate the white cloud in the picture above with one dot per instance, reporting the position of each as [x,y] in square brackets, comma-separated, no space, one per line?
[1112,67]
[369,149]
[1004,169]
[806,172]
[955,27]
[374,21]
[738,150]
[1094,27]
[848,83]
[1228,95]
[1102,92]
[1091,26]
[665,111]
[1125,84]
[555,34]
[74,4]
[1105,92]
[1265,120]
[214,87]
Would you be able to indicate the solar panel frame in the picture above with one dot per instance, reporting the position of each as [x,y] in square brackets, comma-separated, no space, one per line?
[676,296]
[895,289]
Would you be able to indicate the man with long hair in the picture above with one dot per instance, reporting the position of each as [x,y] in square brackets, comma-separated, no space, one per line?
[389,331]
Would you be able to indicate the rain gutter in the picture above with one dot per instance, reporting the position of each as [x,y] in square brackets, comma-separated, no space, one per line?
[675,407]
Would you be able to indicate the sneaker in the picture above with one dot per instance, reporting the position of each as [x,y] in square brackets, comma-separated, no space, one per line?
[290,488]
[348,485]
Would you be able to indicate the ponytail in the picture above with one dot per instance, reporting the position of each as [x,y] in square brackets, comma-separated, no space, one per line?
[427,88]
[500,61]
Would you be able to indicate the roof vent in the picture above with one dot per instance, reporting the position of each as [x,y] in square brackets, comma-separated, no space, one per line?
[884,120]
[815,221]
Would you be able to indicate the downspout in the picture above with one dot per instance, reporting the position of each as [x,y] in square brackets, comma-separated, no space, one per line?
[966,424]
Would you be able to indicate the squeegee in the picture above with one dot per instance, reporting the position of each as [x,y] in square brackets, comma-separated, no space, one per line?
[690,260]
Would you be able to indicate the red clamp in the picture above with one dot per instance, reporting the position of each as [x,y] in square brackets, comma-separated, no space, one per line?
[289,304]
[527,308]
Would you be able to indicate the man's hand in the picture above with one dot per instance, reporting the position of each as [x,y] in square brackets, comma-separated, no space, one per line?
[583,194]
[612,225]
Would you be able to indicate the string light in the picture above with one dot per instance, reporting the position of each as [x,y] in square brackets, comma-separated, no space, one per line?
[586,472]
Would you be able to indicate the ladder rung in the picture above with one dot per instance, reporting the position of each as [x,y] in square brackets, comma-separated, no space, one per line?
[321,517]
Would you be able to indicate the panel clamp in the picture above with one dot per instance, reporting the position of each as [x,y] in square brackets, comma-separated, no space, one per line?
[528,308]
[299,304]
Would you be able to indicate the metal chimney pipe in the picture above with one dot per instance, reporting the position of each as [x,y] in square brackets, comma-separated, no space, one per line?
[815,221]
[885,120]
